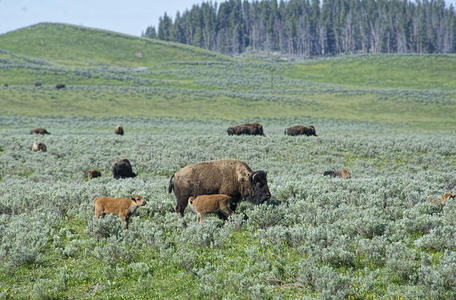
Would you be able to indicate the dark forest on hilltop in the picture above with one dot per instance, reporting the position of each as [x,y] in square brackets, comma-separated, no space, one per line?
[314,27]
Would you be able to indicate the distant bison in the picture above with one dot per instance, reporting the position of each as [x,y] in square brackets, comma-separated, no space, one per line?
[60,86]
[39,147]
[39,131]
[210,203]
[247,129]
[122,207]
[344,173]
[37,83]
[93,174]
[122,169]
[301,130]
[119,130]
[226,176]
[440,199]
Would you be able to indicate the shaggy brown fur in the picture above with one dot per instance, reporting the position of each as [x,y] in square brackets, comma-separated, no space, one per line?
[247,129]
[344,173]
[227,176]
[93,174]
[210,203]
[122,169]
[39,131]
[60,86]
[300,130]
[39,147]
[119,130]
[440,199]
[122,207]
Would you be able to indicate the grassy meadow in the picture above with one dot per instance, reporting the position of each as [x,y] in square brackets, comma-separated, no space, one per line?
[389,119]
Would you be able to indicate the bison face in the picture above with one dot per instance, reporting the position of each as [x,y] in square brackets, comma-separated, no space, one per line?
[259,187]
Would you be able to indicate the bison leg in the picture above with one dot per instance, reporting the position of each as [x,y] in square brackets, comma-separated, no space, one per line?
[181,202]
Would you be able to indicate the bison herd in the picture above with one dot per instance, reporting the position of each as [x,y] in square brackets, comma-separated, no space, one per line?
[216,186]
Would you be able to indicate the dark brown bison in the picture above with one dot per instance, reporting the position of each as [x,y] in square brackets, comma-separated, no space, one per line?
[39,147]
[59,86]
[301,130]
[122,169]
[247,129]
[227,176]
[93,174]
[119,130]
[39,131]
[37,83]
[344,173]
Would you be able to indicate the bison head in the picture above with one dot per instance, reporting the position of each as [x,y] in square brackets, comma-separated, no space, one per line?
[258,187]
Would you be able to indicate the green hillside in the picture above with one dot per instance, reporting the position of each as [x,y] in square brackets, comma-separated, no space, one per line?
[81,46]
[108,74]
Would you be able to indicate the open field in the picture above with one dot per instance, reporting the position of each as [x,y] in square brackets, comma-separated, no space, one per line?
[389,119]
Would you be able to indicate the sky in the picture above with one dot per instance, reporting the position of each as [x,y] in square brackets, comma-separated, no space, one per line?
[125,16]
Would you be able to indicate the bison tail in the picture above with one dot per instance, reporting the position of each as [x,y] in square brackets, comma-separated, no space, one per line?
[171,184]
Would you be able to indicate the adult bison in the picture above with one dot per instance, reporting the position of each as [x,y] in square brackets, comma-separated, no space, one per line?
[301,130]
[119,130]
[39,131]
[122,169]
[227,176]
[247,129]
[60,86]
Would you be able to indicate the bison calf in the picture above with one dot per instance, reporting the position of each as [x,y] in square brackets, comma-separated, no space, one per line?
[344,173]
[216,203]
[122,207]
[93,174]
[39,147]
[119,130]
[440,199]
[39,131]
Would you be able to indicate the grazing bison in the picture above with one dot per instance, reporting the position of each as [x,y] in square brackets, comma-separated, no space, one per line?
[59,86]
[122,207]
[93,174]
[441,199]
[344,173]
[203,204]
[122,169]
[227,176]
[37,83]
[247,129]
[39,147]
[119,130]
[39,131]
[300,130]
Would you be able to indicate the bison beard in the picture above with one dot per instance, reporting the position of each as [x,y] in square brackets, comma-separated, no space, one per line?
[122,169]
[227,176]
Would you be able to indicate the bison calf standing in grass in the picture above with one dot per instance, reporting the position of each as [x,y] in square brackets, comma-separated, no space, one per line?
[122,207]
[93,174]
[216,203]
[39,131]
[39,147]
[440,199]
[344,173]
[119,130]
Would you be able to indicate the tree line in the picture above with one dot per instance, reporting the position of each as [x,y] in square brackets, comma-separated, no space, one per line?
[314,28]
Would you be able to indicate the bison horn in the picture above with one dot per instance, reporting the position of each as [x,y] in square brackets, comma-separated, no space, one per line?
[253,176]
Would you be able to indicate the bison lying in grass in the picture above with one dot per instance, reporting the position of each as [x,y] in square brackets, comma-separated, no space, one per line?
[60,86]
[344,173]
[119,130]
[122,169]
[39,147]
[203,204]
[301,130]
[247,129]
[227,176]
[93,173]
[39,131]
[122,207]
